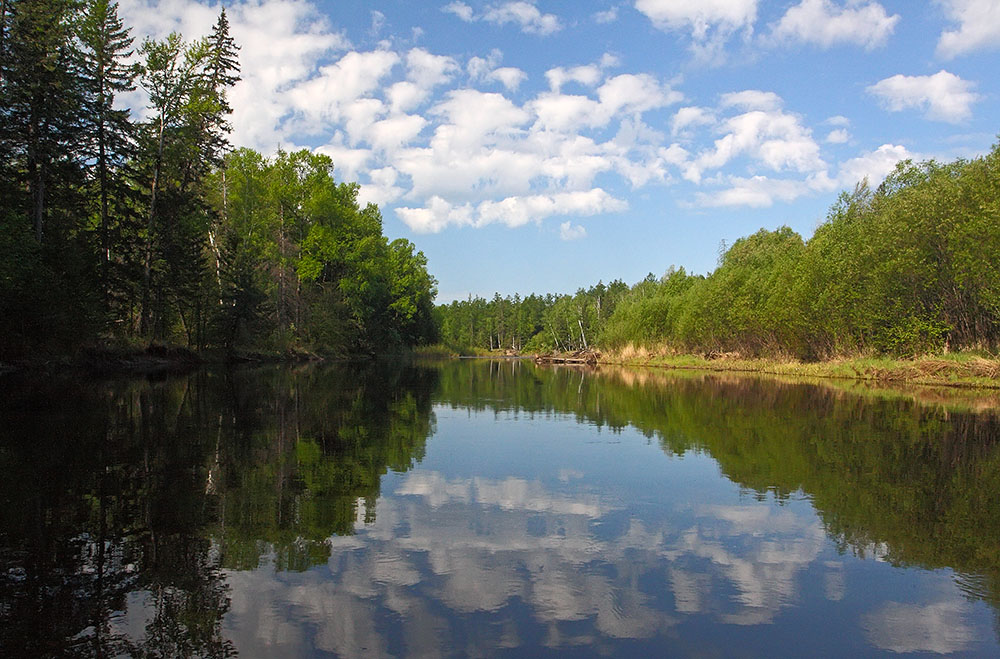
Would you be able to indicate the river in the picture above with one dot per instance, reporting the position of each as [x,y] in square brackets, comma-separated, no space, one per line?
[479,508]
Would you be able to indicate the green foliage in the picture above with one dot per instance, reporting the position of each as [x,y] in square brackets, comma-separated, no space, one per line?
[906,269]
[150,230]
[534,323]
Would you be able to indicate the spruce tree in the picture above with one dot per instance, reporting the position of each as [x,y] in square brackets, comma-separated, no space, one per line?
[105,48]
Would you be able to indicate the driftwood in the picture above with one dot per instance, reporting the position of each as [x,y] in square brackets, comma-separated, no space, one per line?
[588,357]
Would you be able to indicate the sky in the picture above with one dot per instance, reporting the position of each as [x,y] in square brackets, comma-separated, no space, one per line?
[543,146]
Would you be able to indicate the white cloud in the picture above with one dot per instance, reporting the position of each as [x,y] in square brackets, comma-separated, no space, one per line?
[978,27]
[378,22]
[763,191]
[460,9]
[510,77]
[404,96]
[699,17]
[322,98]
[838,136]
[392,133]
[349,161]
[826,24]
[710,23]
[435,216]
[512,211]
[755,192]
[564,112]
[524,15]
[479,67]
[874,165]
[585,75]
[569,231]
[609,15]
[288,37]
[457,150]
[427,70]
[774,139]
[690,116]
[516,211]
[943,96]
[382,188]
[752,99]
[636,93]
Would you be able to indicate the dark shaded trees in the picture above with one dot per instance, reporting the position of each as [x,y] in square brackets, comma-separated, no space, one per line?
[109,136]
[145,230]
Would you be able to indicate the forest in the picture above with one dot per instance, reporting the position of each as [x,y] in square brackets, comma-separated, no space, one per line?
[145,225]
[908,267]
[131,227]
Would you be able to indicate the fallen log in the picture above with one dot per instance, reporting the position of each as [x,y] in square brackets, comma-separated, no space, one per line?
[588,357]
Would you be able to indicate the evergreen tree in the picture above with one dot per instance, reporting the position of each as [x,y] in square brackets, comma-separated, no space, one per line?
[109,145]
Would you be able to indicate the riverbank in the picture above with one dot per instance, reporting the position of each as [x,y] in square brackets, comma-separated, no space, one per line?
[950,370]
[104,359]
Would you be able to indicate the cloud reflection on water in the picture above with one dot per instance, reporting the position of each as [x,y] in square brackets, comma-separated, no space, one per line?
[443,552]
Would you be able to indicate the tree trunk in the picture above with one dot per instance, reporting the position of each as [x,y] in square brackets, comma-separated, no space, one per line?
[147,316]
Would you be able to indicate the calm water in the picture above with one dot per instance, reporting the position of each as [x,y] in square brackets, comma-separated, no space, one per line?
[479,509]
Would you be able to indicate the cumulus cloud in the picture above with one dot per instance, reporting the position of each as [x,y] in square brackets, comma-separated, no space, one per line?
[838,136]
[978,27]
[289,38]
[447,144]
[525,15]
[772,138]
[513,211]
[510,77]
[943,96]
[460,9]
[873,166]
[840,133]
[690,116]
[825,24]
[710,23]
[585,75]
[427,70]
[699,17]
[764,191]
[758,191]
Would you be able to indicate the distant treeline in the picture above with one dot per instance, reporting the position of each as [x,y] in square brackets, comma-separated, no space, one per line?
[116,227]
[909,267]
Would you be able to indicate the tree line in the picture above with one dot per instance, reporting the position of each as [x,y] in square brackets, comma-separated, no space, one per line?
[531,323]
[151,228]
[907,267]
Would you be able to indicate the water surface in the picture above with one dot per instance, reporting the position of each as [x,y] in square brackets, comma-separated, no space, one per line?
[482,508]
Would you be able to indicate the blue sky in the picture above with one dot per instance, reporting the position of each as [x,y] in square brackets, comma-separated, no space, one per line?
[543,146]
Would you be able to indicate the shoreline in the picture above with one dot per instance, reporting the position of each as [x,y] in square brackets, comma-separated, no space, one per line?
[956,370]
[152,360]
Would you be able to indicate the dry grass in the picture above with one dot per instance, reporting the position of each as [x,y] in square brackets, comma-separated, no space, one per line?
[954,370]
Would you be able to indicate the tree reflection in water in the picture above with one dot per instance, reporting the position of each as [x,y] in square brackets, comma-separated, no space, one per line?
[139,516]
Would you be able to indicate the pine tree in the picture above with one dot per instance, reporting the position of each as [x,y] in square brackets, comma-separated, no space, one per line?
[41,101]
[110,144]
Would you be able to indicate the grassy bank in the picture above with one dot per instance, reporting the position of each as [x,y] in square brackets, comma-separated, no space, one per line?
[953,369]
